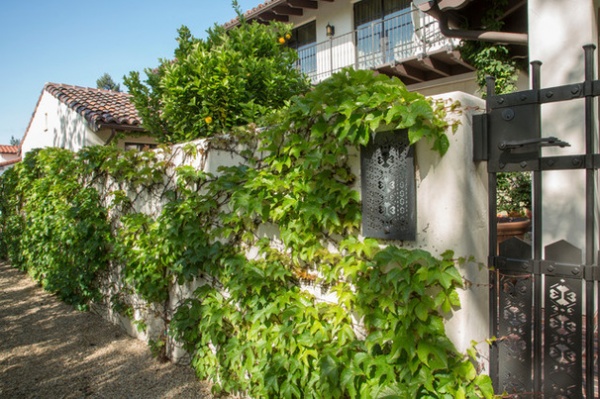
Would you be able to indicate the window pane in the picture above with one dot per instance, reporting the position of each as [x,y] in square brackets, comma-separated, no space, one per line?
[367,11]
[384,31]
[303,35]
[399,31]
[304,40]
[392,6]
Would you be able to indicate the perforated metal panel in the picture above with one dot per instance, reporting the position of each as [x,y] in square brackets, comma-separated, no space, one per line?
[388,187]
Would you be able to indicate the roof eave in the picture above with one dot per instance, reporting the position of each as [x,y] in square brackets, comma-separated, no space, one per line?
[119,127]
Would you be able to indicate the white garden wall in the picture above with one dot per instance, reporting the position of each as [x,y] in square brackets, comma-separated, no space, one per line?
[452,214]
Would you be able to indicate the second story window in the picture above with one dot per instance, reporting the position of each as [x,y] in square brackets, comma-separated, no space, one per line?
[384,31]
[304,39]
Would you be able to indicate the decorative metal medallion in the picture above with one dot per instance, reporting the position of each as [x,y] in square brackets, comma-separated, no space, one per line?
[563,337]
[388,187]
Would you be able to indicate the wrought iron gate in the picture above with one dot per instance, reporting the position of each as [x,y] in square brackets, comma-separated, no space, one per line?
[542,300]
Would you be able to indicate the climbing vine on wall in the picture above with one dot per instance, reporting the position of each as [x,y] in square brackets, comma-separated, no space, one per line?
[252,236]
[53,226]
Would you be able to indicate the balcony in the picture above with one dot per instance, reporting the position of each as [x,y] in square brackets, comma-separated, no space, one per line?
[409,46]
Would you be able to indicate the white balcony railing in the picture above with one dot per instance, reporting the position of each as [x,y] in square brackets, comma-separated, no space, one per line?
[386,42]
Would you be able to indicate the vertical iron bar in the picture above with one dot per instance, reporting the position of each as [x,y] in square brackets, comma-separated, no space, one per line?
[537,247]
[492,251]
[589,219]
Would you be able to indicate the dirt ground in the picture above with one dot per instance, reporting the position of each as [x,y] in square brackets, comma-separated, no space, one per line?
[50,350]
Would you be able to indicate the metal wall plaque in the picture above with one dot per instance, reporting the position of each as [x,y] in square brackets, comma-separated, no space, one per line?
[388,187]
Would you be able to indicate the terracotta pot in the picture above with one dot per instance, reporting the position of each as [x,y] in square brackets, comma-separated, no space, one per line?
[512,227]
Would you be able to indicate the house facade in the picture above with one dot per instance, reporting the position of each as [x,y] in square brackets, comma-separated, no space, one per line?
[73,117]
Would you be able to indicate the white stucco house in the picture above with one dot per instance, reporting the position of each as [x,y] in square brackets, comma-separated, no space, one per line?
[391,37]
[9,155]
[73,117]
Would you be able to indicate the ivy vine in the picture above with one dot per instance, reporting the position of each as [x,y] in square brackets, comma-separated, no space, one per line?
[493,59]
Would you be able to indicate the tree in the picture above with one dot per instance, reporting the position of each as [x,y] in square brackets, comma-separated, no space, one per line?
[230,79]
[107,83]
[14,141]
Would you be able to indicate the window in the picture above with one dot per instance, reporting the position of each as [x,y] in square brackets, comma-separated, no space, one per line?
[384,31]
[304,39]
[139,146]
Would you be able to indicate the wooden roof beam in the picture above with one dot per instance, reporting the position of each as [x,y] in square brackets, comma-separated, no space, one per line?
[303,3]
[436,66]
[287,10]
[410,72]
[271,16]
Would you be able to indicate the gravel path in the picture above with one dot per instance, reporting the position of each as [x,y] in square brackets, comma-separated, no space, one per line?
[50,350]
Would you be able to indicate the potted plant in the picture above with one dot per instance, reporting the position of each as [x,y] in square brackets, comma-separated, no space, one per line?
[513,201]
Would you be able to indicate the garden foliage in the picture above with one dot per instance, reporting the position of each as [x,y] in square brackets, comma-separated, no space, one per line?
[229,79]
[54,226]
[250,237]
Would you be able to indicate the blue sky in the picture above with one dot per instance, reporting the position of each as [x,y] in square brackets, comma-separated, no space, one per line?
[75,42]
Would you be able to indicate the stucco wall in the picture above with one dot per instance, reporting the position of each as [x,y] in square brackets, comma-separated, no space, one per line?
[452,213]
[43,123]
[557,32]
[54,124]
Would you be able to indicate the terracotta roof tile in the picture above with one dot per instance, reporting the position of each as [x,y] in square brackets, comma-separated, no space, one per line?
[98,106]
[9,149]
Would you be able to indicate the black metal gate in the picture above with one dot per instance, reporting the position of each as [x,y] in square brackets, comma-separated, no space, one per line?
[542,300]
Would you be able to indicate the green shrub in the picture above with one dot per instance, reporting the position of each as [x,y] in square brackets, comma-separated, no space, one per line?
[230,79]
[55,227]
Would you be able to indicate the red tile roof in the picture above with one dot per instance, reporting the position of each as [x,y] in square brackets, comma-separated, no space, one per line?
[9,149]
[99,107]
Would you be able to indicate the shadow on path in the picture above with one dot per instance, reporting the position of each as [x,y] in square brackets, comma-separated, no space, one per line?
[50,350]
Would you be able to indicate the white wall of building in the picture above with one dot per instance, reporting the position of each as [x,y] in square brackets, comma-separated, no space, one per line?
[557,32]
[44,122]
[452,214]
[337,13]
[54,124]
